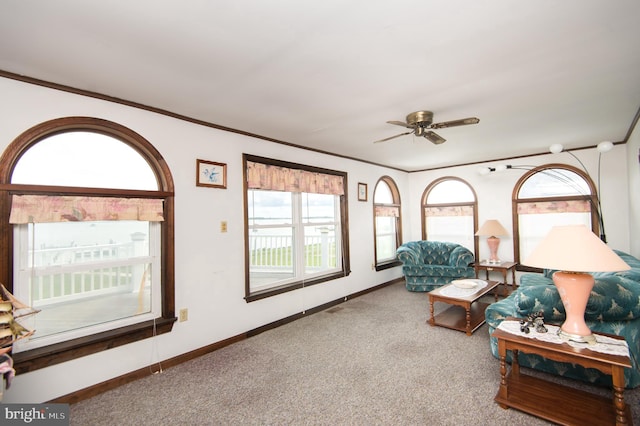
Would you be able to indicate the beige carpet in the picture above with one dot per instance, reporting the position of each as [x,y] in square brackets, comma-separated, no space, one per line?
[369,361]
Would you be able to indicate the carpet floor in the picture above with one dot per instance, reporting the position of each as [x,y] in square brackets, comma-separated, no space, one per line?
[372,360]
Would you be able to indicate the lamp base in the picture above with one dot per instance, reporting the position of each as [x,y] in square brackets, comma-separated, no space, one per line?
[590,338]
[493,243]
[574,289]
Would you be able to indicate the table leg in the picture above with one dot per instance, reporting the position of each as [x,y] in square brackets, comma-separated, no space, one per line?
[503,392]
[617,376]
[515,366]
[468,309]
[432,319]
[504,282]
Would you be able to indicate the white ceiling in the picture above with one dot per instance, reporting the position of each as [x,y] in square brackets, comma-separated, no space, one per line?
[328,74]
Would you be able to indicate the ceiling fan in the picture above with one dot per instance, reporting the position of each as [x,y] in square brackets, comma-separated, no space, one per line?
[421,121]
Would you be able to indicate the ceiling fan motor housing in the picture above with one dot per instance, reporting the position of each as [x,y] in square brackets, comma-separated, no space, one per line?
[420,118]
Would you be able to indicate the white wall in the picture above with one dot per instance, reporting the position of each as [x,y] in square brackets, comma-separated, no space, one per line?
[633,157]
[209,264]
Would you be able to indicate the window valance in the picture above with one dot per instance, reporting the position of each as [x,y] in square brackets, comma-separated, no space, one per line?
[572,206]
[46,208]
[449,211]
[277,178]
[387,211]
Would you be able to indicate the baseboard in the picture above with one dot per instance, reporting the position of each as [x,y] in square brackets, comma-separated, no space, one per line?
[99,388]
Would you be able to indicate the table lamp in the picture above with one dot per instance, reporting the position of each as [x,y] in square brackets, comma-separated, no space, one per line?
[492,229]
[573,250]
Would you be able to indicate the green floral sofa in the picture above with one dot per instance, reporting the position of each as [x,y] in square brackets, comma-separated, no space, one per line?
[613,307]
[427,265]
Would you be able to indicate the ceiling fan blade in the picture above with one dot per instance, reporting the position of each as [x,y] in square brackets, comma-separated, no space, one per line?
[393,137]
[453,123]
[401,123]
[434,137]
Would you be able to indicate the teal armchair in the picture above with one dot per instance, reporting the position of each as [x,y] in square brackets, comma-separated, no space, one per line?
[427,265]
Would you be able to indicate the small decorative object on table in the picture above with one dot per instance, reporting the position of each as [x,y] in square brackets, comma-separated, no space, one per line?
[533,320]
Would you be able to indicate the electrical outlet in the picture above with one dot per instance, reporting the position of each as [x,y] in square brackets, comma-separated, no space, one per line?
[223,226]
[183,315]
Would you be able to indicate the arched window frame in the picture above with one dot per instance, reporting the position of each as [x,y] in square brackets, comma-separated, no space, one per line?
[53,354]
[592,198]
[395,205]
[473,205]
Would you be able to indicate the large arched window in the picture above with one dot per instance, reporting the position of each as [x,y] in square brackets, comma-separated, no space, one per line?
[547,196]
[387,222]
[87,218]
[449,212]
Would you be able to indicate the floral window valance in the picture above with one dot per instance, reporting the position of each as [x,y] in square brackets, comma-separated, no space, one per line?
[276,178]
[573,206]
[449,211]
[387,211]
[45,208]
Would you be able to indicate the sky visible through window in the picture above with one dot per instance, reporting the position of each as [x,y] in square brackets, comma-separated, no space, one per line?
[86,159]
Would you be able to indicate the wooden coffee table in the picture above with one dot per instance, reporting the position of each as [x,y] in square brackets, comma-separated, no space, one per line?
[467,313]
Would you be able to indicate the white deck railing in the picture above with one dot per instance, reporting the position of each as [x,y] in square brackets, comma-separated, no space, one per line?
[273,252]
[63,274]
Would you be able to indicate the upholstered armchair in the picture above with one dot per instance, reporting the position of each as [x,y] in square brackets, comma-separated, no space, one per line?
[427,265]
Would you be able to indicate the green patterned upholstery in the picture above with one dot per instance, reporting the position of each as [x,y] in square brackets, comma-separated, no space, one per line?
[613,307]
[427,265]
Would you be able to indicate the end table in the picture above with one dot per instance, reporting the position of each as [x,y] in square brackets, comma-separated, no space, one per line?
[555,402]
[503,267]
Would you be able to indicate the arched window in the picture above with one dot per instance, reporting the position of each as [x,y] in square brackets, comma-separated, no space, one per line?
[449,212]
[547,196]
[87,210]
[387,222]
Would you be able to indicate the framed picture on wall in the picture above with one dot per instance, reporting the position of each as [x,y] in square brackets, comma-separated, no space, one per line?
[211,174]
[362,191]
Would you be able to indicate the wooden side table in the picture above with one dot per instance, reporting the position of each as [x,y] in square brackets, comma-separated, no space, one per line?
[558,403]
[502,267]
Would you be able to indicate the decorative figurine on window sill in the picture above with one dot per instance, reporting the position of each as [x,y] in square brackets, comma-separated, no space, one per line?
[533,320]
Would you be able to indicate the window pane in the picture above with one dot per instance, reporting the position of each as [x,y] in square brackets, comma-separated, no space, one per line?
[88,159]
[271,256]
[318,208]
[385,238]
[532,228]
[383,194]
[454,229]
[270,207]
[82,274]
[319,248]
[450,191]
[553,183]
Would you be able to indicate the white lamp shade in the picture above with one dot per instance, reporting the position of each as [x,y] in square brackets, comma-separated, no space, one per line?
[491,228]
[574,248]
